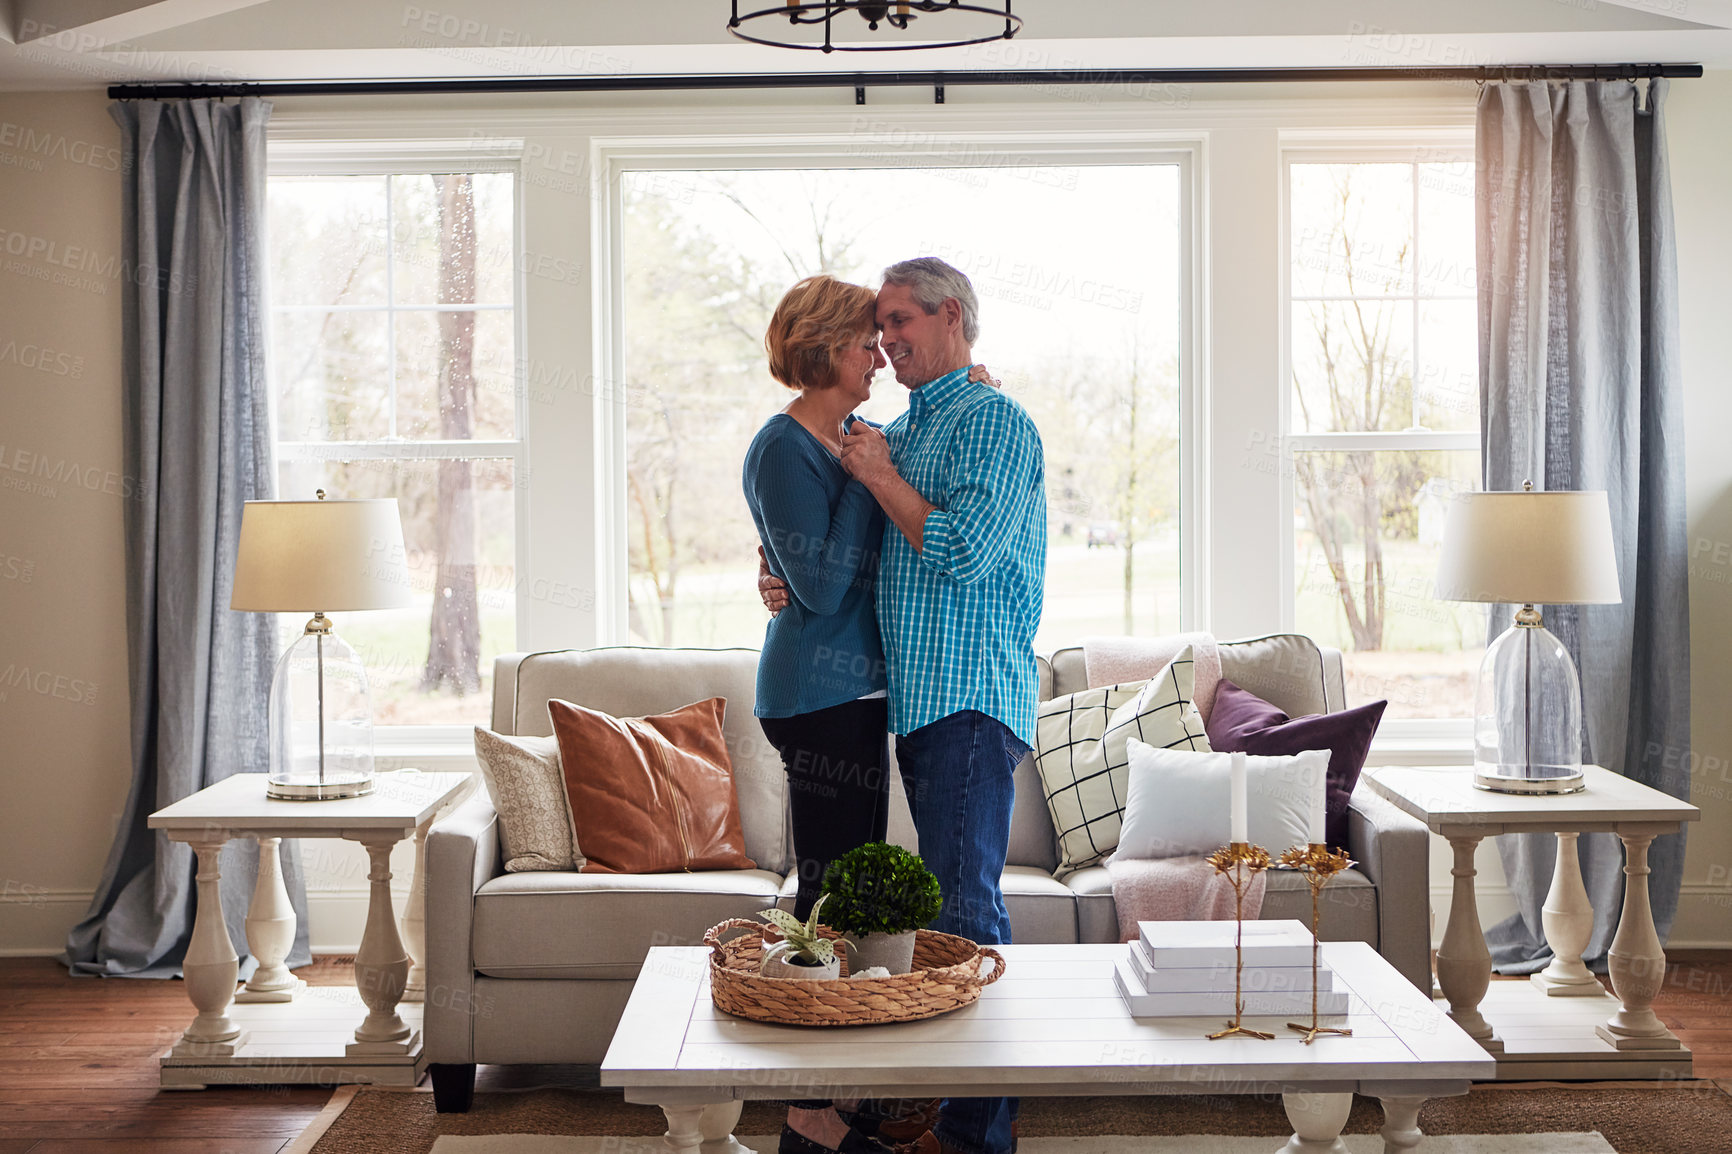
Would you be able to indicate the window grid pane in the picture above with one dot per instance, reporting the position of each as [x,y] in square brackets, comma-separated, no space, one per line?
[1379,349]
[358,367]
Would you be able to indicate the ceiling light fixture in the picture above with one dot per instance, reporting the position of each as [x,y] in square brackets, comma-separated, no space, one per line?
[897,15]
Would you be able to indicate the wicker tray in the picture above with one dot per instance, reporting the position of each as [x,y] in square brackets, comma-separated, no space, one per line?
[946,976]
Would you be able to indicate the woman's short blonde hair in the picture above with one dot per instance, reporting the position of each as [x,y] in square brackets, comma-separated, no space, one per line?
[815,320]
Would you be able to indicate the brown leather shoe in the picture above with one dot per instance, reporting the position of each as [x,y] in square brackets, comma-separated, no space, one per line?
[899,1120]
[930,1143]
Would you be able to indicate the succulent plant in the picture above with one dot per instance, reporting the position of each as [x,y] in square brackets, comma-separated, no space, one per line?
[800,940]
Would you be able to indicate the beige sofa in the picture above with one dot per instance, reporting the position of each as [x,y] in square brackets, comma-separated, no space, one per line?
[536,967]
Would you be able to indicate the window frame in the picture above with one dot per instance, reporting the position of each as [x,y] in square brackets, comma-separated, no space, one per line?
[1183,150]
[1237,249]
[432,745]
[1399,740]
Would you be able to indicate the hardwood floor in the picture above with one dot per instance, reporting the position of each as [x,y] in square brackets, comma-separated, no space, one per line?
[78,1072]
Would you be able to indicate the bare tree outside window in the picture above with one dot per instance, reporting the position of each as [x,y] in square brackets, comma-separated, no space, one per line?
[392,333]
[1380,302]
[454,631]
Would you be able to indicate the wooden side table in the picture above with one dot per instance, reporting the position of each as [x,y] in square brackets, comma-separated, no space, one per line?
[274,1030]
[1631,1037]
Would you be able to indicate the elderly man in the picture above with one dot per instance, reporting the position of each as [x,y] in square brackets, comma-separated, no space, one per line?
[961,577]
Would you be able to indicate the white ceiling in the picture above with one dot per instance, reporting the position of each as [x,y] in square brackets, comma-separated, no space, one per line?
[49,44]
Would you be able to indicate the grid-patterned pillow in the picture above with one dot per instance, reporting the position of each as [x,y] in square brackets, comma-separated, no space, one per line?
[1080,751]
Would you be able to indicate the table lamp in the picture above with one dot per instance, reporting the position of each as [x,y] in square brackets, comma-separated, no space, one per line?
[309,557]
[1528,549]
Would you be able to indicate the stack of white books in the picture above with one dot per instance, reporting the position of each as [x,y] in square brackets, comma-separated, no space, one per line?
[1186,969]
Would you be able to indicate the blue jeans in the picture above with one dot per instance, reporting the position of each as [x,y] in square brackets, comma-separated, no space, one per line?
[958,776]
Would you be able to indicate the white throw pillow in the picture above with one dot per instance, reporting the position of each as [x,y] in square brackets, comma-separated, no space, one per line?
[1079,750]
[524,778]
[1177,803]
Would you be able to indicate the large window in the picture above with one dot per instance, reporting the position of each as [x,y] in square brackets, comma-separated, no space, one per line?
[1079,274]
[392,355]
[1383,419]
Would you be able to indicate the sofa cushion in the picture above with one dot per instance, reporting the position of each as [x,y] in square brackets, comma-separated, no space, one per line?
[651,794]
[631,681]
[528,791]
[1287,669]
[1080,750]
[570,925]
[1177,802]
[1042,909]
[1033,841]
[1244,722]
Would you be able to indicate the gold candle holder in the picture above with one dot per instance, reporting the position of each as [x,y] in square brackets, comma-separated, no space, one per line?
[1234,860]
[1318,863]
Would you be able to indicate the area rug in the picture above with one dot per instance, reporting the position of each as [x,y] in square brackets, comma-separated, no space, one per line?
[1676,1118]
[1116,1144]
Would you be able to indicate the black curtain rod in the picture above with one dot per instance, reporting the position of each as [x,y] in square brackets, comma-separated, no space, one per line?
[925,79]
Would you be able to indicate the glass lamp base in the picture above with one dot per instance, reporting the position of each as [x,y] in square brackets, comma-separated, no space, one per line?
[1488,778]
[316,791]
[321,720]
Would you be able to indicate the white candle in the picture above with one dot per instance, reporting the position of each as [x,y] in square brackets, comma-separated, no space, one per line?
[1319,793]
[1240,815]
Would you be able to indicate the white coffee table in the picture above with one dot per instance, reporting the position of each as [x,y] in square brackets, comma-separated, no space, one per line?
[1054,1025]
[1533,1032]
[275,1029]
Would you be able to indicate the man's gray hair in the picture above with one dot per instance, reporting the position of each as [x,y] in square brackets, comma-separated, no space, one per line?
[931,281]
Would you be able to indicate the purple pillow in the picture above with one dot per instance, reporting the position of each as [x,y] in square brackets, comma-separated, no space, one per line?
[1242,722]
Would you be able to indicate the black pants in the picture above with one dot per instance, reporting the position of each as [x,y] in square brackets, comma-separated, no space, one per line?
[838,764]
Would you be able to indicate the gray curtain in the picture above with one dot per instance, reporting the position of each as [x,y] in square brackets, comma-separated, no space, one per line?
[1578,349]
[198,445]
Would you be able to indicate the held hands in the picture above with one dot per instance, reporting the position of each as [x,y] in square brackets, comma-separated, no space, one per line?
[771,588]
[866,454]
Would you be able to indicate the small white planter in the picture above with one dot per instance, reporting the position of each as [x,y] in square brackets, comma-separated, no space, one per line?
[895,952]
[777,965]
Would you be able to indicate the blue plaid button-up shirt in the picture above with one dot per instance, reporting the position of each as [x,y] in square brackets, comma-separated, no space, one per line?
[959,617]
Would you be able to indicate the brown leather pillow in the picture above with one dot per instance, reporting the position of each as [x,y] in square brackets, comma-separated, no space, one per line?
[651,794]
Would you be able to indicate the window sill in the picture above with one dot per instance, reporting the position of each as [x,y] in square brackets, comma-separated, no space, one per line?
[1419,749]
[442,748]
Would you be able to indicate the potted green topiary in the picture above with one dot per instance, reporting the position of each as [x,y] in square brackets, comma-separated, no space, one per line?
[879,895]
[802,952]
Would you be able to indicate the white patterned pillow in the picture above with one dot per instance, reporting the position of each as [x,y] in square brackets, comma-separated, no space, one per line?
[527,785]
[1080,751]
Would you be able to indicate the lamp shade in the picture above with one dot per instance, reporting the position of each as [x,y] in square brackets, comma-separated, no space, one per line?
[321,556]
[1529,549]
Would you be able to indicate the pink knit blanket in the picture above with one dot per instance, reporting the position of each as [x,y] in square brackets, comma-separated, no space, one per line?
[1177,889]
[1118,660]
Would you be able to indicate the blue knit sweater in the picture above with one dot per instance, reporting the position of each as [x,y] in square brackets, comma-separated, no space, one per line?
[821,530]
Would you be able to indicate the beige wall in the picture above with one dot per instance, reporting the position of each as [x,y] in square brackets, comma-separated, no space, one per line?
[1697,118]
[64,752]
[64,744]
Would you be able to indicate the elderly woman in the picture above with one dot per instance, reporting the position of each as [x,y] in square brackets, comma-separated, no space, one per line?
[821,679]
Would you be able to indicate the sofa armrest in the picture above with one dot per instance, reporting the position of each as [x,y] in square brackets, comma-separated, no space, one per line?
[462,854]
[1394,851]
